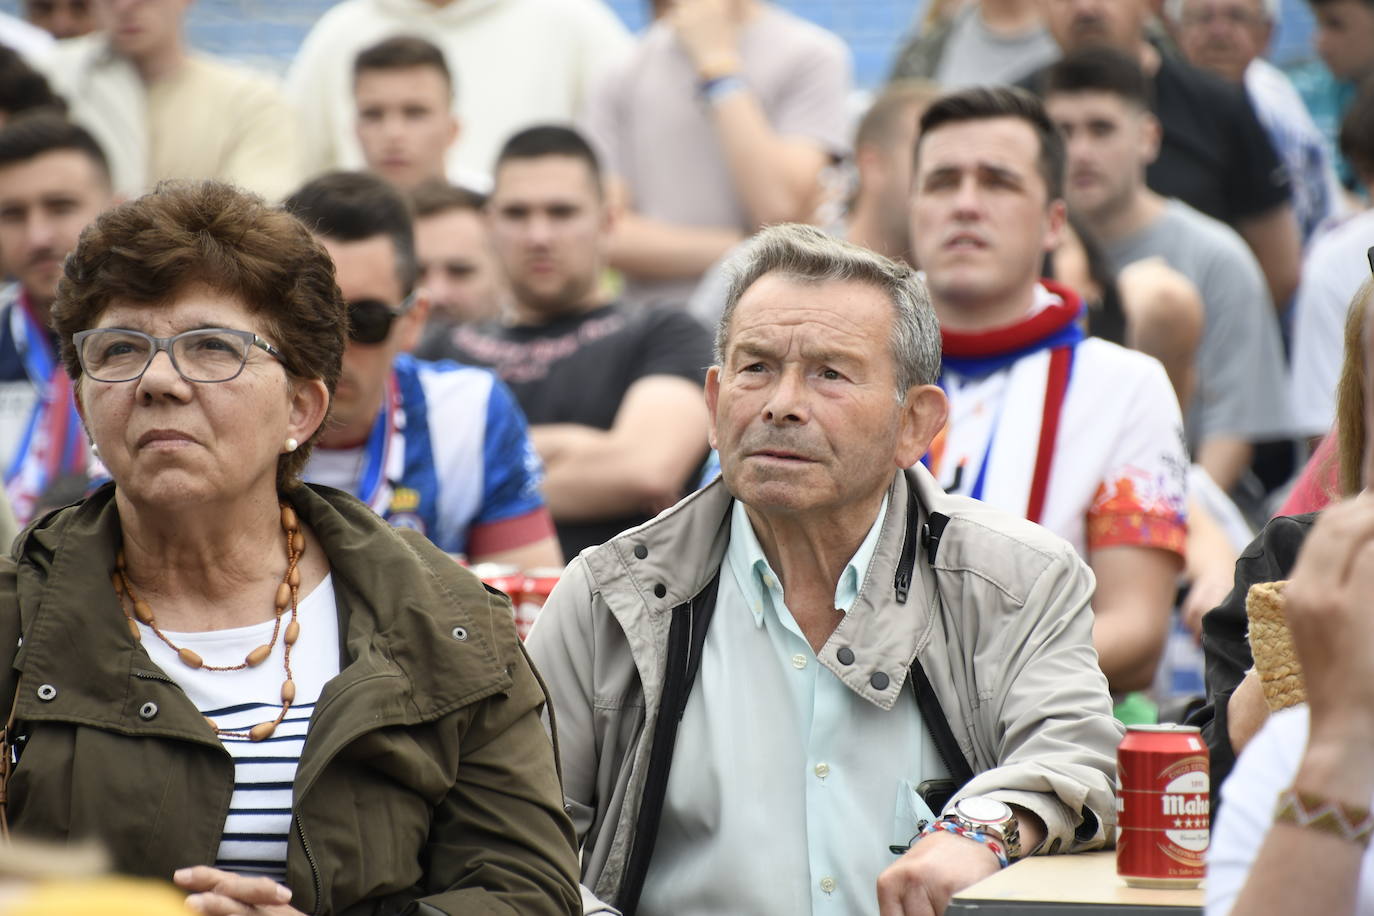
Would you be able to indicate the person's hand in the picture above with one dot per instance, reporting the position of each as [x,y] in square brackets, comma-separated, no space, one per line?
[1326,603]
[1206,592]
[709,33]
[940,865]
[222,893]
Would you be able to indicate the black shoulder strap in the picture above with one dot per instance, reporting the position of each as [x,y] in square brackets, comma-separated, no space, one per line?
[686,636]
[926,700]
[940,732]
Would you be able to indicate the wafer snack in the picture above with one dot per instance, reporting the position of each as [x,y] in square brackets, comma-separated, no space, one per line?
[1271,644]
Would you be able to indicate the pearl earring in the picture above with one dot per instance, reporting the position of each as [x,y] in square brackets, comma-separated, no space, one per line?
[292,444]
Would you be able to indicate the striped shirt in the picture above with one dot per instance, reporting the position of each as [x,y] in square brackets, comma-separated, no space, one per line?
[259,822]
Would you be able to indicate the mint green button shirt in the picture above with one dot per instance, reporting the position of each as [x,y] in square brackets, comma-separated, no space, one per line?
[787,787]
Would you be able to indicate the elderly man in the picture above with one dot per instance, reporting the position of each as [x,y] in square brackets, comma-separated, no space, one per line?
[1228,38]
[821,650]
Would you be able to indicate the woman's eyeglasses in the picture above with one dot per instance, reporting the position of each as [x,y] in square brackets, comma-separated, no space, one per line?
[202,355]
[370,320]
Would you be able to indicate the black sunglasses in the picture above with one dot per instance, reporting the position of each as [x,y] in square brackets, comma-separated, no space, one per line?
[370,320]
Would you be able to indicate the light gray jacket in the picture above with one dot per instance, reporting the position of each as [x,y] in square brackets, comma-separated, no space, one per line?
[1000,623]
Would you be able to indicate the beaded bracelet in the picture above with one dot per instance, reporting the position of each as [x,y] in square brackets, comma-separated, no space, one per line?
[986,839]
[1349,822]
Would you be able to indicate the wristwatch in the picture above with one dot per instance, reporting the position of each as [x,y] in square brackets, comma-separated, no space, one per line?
[979,814]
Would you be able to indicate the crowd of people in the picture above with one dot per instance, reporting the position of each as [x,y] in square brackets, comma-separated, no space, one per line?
[885,444]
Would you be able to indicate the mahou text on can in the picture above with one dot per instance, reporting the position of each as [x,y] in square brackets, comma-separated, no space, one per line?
[1164,809]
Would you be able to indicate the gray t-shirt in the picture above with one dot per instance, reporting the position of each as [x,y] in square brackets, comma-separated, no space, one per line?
[974,55]
[653,129]
[1240,389]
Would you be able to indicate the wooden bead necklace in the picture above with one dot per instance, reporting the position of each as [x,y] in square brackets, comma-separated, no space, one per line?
[288,594]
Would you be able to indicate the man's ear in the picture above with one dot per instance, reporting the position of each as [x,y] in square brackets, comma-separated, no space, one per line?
[413,321]
[712,390]
[1056,219]
[923,416]
[1151,137]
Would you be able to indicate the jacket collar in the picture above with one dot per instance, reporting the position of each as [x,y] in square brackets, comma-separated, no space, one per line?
[644,573]
[399,629]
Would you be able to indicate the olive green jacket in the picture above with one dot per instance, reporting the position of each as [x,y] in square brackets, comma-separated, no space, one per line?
[427,783]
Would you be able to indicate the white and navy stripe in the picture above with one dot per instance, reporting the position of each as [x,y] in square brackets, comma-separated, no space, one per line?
[259,822]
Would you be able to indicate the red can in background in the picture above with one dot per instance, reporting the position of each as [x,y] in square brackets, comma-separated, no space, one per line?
[504,577]
[1164,808]
[538,583]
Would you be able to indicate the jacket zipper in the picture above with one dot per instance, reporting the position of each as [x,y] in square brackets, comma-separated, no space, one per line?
[309,857]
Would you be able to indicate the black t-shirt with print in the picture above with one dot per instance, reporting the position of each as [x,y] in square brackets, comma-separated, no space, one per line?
[576,369]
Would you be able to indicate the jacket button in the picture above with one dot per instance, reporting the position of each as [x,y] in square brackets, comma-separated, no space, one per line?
[845,656]
[147,711]
[460,634]
[879,680]
[47,692]
[641,551]
[660,590]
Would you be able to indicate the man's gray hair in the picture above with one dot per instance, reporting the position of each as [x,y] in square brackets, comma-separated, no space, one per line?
[808,255]
[1174,9]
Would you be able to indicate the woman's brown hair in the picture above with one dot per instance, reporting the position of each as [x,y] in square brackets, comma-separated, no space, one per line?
[206,233]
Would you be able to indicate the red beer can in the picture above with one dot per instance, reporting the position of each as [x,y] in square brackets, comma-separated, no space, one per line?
[538,583]
[504,577]
[1164,808]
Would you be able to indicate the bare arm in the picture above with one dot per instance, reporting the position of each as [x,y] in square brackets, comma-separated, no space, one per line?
[1246,711]
[1225,459]
[1135,590]
[541,554]
[639,464]
[776,178]
[1273,237]
[1211,566]
[656,250]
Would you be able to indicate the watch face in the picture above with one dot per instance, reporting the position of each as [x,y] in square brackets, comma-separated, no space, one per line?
[983,810]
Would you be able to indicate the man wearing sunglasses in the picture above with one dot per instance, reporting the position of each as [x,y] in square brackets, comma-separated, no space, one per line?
[438,447]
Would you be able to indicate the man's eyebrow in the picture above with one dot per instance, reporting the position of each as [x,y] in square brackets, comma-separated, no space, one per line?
[752,348]
[1000,171]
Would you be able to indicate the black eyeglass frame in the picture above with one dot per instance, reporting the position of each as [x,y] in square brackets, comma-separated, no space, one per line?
[165,343]
[392,314]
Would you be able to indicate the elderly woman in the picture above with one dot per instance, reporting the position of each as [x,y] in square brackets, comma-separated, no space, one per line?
[236,680]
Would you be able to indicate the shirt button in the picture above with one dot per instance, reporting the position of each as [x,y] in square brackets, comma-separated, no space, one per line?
[768,581]
[828,885]
[799,662]
[822,770]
